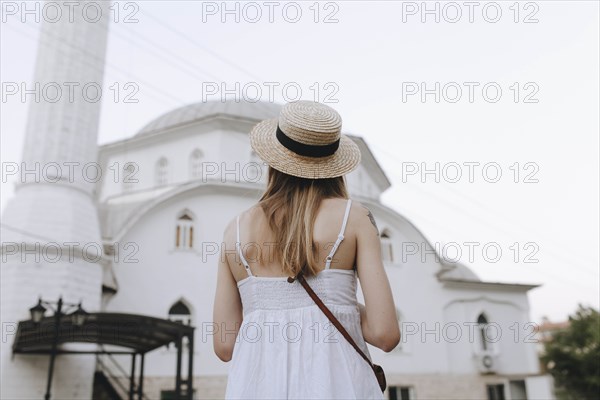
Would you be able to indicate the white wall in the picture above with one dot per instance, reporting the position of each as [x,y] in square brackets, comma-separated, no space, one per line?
[227,156]
[510,336]
[433,315]
[163,274]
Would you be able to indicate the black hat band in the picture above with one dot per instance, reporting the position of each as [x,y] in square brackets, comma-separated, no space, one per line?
[304,149]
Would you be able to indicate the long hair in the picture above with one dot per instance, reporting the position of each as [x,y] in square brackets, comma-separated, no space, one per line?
[290,204]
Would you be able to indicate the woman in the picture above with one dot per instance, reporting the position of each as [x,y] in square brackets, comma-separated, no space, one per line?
[279,341]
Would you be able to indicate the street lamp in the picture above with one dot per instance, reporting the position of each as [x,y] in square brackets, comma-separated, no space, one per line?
[37,312]
[78,318]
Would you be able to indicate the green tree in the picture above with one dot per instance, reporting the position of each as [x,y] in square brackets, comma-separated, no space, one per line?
[573,356]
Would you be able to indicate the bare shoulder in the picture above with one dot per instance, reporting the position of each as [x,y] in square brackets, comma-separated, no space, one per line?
[363,217]
[231,227]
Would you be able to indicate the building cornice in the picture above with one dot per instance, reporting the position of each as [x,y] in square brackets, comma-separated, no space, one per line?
[243,189]
[171,132]
[504,286]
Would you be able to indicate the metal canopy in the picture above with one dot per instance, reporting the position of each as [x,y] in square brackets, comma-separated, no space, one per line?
[141,333]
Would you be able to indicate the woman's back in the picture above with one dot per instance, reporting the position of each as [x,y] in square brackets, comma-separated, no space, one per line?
[286,347]
[279,342]
[257,239]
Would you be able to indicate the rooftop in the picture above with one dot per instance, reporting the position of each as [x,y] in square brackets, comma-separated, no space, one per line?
[198,111]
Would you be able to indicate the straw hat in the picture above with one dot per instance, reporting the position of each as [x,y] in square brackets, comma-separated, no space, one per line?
[306,141]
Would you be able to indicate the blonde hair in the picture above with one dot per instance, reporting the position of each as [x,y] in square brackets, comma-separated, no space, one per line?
[290,204]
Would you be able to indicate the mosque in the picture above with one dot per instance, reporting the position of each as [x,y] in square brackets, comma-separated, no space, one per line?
[159,216]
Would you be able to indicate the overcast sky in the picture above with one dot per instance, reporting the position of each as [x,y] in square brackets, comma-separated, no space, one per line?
[375,58]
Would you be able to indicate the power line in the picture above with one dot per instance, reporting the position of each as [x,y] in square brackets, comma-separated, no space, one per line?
[178,66]
[199,45]
[504,217]
[444,200]
[533,266]
[161,56]
[485,223]
[97,59]
[206,50]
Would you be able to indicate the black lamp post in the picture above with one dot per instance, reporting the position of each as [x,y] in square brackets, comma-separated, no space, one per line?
[77,318]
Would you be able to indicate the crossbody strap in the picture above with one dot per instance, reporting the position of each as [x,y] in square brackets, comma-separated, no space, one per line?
[330,315]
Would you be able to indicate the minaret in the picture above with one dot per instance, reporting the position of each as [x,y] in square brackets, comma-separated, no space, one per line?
[54,204]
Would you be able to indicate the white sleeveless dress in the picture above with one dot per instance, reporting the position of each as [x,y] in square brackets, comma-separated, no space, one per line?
[286,347]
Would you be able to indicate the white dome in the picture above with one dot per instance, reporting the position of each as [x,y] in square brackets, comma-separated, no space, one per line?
[180,116]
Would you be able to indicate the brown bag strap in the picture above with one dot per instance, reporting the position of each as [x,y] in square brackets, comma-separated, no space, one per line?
[330,315]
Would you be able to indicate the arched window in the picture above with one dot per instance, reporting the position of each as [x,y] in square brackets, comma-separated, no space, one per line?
[184,231]
[129,179]
[482,324]
[162,172]
[179,312]
[387,254]
[196,163]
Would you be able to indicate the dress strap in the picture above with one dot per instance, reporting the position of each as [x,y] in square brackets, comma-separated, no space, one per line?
[340,236]
[238,245]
